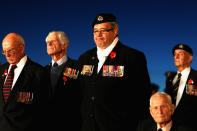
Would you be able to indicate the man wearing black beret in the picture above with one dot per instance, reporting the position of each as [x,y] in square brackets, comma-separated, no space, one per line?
[182,86]
[115,81]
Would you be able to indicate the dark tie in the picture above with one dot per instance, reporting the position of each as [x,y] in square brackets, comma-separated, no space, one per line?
[176,87]
[8,83]
[159,129]
[54,75]
[55,64]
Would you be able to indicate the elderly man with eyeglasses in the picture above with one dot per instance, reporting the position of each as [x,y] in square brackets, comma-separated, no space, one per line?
[21,87]
[114,78]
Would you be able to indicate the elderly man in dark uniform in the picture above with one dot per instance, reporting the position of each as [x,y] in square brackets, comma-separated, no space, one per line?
[115,81]
[182,86]
[21,82]
[64,98]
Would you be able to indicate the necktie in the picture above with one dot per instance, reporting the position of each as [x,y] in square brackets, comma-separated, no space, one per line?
[8,83]
[159,129]
[176,87]
[55,65]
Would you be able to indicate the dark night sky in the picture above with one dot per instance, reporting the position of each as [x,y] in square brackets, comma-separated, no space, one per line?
[151,26]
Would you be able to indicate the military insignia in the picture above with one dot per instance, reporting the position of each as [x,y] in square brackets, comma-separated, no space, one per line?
[70,72]
[87,70]
[191,89]
[100,18]
[181,46]
[25,97]
[113,71]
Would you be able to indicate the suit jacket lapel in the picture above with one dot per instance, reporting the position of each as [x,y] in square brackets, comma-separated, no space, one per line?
[191,76]
[94,61]
[22,80]
[2,79]
[113,55]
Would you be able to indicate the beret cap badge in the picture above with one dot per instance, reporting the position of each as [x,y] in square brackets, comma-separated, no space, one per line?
[181,46]
[100,18]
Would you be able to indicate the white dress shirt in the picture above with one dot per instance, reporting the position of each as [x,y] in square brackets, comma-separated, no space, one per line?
[184,77]
[17,70]
[102,54]
[61,61]
[166,128]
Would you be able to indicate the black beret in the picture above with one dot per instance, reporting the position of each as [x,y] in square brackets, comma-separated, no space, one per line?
[182,47]
[104,17]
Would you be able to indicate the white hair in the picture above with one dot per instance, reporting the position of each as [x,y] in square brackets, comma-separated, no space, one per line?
[162,94]
[63,39]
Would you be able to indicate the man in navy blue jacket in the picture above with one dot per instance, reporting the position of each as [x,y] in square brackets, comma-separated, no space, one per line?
[114,79]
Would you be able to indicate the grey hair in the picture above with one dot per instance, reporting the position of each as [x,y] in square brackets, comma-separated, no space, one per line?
[115,25]
[63,39]
[162,94]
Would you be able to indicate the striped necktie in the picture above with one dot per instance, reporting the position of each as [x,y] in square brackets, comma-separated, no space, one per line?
[8,83]
[176,87]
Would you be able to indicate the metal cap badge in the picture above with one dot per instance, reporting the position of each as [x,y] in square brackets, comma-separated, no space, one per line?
[182,47]
[104,17]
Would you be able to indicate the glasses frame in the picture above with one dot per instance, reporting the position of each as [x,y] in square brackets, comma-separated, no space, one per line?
[10,51]
[102,31]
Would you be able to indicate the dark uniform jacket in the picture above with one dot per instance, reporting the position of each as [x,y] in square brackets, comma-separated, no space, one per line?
[150,125]
[116,99]
[20,113]
[63,110]
[185,112]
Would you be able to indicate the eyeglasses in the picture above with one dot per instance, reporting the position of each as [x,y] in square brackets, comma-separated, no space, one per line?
[11,51]
[103,31]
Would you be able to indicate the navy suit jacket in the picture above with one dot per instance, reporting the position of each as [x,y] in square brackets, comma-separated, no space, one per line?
[21,113]
[185,112]
[64,100]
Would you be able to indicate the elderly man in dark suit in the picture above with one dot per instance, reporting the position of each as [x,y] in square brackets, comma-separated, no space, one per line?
[182,86]
[65,95]
[114,79]
[161,110]
[21,83]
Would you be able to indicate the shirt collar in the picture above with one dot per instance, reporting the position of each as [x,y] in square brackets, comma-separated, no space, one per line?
[167,127]
[185,72]
[21,62]
[61,61]
[106,51]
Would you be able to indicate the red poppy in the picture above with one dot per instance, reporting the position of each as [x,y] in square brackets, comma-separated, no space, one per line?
[190,81]
[64,79]
[5,73]
[112,55]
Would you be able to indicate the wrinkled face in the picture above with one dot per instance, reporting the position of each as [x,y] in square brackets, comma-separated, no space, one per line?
[13,50]
[182,58]
[161,110]
[104,34]
[53,45]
